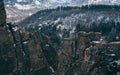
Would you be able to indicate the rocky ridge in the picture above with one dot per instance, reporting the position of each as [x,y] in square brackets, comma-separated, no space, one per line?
[23,53]
[33,53]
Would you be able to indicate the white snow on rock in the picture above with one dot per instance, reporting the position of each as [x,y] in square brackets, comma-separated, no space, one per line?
[118,62]
[15,28]
[54,3]
[52,69]
[23,7]
[47,45]
[25,42]
[19,0]
[37,2]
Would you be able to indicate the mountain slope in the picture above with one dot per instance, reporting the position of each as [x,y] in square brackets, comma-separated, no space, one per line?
[69,17]
[28,7]
[65,22]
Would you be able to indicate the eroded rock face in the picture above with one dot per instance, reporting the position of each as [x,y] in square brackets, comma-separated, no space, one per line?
[2,14]
[24,53]
[6,52]
[84,41]
[71,60]
[88,55]
[21,53]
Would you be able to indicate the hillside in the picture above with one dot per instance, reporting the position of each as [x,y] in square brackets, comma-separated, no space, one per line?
[28,7]
[66,21]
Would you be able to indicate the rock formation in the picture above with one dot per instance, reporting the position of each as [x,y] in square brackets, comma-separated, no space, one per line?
[24,53]
[32,53]
[88,55]
[2,14]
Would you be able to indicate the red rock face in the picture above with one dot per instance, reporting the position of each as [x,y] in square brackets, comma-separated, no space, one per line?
[84,40]
[2,14]
[75,58]
[85,58]
[68,46]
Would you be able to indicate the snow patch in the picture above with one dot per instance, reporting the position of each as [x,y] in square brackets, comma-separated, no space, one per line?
[47,45]
[23,7]
[52,69]
[118,62]
[100,17]
[37,2]
[25,42]
[30,14]
[56,21]
[19,0]
[15,29]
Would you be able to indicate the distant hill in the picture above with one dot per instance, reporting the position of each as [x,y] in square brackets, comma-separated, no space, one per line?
[28,7]
[66,21]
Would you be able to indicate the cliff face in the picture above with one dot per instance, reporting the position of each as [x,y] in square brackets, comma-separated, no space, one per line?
[24,53]
[88,55]
[2,14]
[74,53]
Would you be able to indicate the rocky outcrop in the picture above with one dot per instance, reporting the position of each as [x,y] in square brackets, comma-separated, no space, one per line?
[24,53]
[2,14]
[32,53]
[73,53]
[88,55]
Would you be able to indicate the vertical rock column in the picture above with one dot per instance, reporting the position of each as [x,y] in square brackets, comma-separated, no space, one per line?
[6,45]
[2,14]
